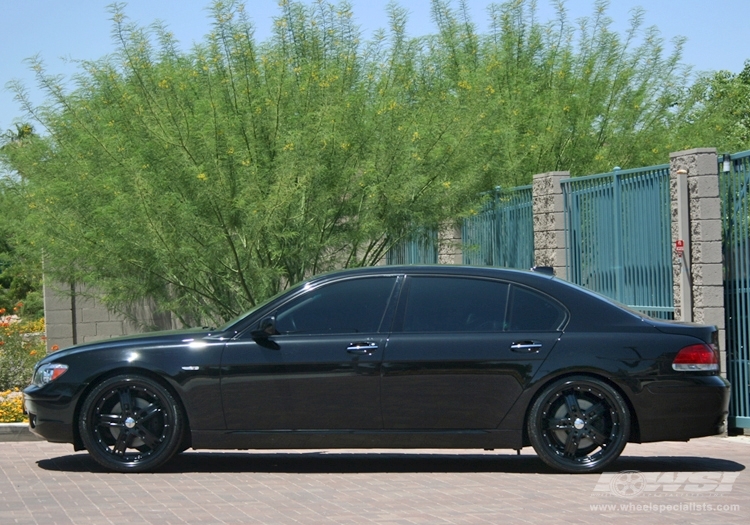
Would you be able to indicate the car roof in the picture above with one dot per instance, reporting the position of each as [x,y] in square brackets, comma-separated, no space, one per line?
[443,269]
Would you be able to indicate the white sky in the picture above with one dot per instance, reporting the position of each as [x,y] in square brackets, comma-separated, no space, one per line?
[64,30]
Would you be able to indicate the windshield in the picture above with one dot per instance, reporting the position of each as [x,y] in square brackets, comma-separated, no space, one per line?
[243,315]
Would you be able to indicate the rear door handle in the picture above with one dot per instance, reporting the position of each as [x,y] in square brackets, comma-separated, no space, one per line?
[526,346]
[361,348]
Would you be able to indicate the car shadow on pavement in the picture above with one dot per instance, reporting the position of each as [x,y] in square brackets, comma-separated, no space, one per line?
[385,462]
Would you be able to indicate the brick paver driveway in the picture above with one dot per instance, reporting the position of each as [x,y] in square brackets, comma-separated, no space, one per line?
[703,481]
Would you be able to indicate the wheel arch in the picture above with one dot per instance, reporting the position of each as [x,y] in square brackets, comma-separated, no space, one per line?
[78,442]
[635,432]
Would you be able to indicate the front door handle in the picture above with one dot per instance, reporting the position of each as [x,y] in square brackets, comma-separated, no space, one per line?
[362,348]
[526,346]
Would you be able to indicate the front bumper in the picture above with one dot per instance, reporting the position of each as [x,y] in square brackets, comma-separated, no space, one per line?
[51,414]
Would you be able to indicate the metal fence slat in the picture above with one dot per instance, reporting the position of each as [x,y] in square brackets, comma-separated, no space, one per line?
[618,228]
[735,194]
[502,232]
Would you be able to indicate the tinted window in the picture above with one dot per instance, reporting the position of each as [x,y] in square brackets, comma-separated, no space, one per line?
[533,312]
[452,304]
[350,306]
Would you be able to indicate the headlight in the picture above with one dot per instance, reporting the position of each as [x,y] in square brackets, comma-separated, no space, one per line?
[48,373]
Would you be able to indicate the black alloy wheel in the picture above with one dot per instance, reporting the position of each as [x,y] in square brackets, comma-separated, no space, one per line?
[131,423]
[579,424]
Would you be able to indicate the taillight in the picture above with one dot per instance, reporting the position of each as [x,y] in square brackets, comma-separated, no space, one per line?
[698,358]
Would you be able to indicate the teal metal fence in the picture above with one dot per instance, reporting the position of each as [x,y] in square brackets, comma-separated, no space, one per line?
[420,248]
[618,228]
[502,233]
[735,192]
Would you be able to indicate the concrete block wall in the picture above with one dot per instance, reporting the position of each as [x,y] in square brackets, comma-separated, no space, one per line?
[73,315]
[58,316]
[703,262]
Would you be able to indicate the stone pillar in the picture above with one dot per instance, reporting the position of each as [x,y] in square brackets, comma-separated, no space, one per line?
[703,261]
[549,222]
[450,247]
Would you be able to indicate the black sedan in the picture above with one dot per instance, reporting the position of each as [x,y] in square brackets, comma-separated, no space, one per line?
[393,357]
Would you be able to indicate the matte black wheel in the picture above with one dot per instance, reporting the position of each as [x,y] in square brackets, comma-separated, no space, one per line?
[131,423]
[579,424]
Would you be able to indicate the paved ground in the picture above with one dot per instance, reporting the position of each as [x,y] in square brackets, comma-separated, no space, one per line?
[45,484]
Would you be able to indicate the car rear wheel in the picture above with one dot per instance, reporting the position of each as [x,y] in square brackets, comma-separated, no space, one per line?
[579,424]
[131,423]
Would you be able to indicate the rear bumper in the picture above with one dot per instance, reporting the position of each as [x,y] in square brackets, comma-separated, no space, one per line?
[682,409]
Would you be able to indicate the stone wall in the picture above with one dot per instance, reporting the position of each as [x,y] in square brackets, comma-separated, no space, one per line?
[449,245]
[549,221]
[698,273]
[73,315]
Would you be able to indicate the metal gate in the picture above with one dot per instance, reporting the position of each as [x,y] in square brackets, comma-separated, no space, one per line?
[502,234]
[735,193]
[618,229]
[420,248]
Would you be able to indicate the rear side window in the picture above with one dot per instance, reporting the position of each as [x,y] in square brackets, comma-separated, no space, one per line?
[531,311]
[343,307]
[453,304]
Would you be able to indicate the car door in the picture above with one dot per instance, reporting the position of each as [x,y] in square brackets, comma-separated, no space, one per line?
[321,369]
[463,350]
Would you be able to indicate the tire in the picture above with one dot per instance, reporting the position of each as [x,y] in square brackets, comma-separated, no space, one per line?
[579,424]
[130,423]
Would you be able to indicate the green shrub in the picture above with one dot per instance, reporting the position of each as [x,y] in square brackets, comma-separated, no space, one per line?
[21,346]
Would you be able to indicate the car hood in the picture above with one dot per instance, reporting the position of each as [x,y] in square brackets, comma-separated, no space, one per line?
[140,340]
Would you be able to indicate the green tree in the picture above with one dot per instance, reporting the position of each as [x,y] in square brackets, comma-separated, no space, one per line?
[210,179]
[720,114]
[20,265]
[562,95]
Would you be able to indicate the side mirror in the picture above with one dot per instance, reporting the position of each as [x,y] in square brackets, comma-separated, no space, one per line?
[266,328]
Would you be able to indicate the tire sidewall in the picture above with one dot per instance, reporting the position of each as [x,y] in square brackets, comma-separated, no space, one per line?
[166,450]
[550,457]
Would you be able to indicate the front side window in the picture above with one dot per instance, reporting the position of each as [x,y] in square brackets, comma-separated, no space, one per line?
[348,306]
[454,304]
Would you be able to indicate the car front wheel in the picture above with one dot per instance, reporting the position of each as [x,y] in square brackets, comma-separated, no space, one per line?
[131,423]
[579,424]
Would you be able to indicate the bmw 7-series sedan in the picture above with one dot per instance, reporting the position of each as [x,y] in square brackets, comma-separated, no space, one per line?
[393,357]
